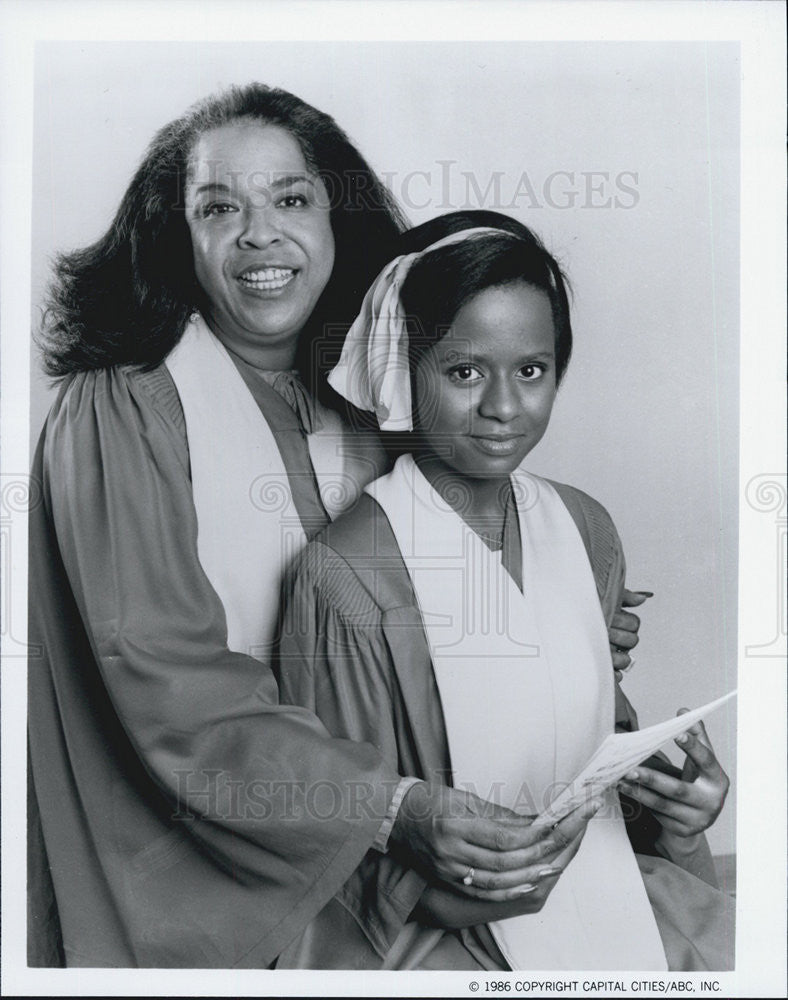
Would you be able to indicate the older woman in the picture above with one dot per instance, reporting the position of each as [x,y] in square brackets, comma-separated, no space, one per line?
[179,814]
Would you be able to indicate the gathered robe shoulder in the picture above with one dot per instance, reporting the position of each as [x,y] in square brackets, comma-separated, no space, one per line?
[189,817]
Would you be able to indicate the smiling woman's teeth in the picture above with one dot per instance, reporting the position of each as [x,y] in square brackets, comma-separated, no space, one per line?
[267,280]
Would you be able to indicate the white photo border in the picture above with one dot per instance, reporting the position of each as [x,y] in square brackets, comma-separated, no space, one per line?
[759,27]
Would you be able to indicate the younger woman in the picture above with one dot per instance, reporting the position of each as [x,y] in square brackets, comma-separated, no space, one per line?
[456,619]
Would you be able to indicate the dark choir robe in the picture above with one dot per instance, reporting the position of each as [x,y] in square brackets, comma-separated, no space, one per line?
[354,651]
[180,815]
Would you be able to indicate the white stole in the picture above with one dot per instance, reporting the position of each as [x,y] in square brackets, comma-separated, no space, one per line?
[248,527]
[526,686]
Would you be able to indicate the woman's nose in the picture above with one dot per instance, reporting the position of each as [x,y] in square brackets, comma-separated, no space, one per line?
[500,400]
[260,228]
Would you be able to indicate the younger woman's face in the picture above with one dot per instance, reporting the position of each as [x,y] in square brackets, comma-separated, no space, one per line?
[484,392]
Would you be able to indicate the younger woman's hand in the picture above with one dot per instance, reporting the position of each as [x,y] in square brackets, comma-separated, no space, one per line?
[687,805]
[624,626]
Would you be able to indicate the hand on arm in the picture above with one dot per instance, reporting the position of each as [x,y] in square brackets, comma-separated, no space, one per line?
[624,626]
[687,805]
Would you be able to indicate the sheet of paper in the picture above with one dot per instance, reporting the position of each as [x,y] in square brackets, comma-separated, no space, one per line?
[619,753]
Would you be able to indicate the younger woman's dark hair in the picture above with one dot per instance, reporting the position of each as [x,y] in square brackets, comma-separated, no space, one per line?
[127,298]
[441,282]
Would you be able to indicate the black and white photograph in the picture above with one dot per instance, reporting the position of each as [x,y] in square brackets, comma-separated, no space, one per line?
[394,499]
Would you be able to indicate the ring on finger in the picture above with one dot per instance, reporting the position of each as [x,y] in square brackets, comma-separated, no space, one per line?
[630,665]
[467,878]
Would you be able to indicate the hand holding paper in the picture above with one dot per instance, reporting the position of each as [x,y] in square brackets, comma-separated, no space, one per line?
[685,804]
[620,754]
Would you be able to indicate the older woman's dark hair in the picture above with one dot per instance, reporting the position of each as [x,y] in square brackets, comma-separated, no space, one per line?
[127,298]
[440,283]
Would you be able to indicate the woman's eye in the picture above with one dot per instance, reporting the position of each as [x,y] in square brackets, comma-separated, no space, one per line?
[464,373]
[218,208]
[531,372]
[293,201]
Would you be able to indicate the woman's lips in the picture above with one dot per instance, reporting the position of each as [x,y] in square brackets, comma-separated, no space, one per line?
[499,445]
[267,279]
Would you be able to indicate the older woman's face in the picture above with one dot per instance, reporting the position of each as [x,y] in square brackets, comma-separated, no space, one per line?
[261,235]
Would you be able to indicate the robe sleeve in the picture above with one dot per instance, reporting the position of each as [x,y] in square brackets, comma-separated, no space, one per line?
[205,723]
[334,659]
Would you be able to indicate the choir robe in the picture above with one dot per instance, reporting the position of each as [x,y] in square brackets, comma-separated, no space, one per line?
[354,651]
[180,815]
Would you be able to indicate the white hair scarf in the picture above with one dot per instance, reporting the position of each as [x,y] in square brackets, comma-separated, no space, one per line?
[373,371]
